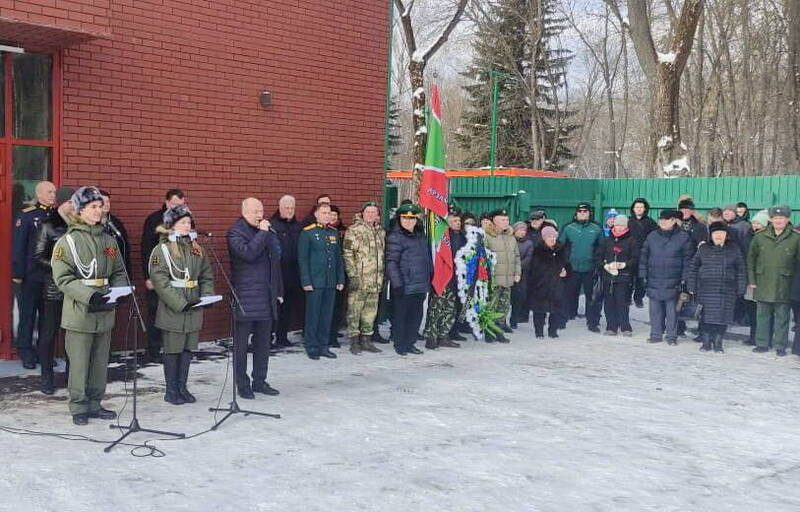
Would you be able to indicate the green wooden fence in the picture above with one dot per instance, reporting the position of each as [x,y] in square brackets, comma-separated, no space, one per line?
[559,196]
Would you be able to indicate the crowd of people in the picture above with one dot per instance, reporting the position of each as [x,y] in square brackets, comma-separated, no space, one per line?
[70,251]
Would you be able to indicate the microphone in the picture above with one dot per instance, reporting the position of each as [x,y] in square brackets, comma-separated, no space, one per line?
[113,228]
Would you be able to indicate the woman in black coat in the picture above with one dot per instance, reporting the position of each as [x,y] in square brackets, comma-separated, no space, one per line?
[617,259]
[548,270]
[409,268]
[717,278]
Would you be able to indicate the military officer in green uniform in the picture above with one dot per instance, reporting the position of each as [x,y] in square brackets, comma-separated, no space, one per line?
[181,274]
[319,257]
[85,262]
[364,244]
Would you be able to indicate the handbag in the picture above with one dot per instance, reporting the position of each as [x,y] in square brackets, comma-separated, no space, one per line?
[597,289]
[688,308]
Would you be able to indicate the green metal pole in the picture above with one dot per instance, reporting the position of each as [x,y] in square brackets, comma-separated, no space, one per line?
[493,142]
[386,126]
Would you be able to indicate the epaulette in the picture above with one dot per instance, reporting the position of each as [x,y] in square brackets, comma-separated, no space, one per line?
[28,209]
[310,226]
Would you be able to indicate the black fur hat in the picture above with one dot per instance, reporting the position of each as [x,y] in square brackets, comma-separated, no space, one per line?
[176,213]
[85,195]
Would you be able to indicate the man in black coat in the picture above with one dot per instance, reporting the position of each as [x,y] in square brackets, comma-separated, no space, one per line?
[288,229]
[640,225]
[53,227]
[114,227]
[255,255]
[150,238]
[663,265]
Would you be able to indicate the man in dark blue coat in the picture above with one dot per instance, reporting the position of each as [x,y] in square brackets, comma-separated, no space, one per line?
[26,273]
[255,255]
[285,224]
[663,266]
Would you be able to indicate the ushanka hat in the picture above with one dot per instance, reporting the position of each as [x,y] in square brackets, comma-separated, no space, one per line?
[176,213]
[717,226]
[85,195]
[780,211]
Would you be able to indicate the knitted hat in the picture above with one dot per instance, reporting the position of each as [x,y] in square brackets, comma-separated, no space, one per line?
[175,214]
[621,220]
[611,213]
[549,231]
[761,218]
[64,194]
[780,211]
[520,224]
[85,195]
[717,226]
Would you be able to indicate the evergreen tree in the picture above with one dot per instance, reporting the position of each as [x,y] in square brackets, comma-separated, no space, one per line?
[530,80]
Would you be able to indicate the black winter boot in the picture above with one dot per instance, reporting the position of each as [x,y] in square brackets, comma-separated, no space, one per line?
[431,344]
[706,339]
[446,342]
[170,362]
[183,377]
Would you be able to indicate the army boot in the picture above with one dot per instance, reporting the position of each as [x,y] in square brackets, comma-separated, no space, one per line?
[447,342]
[170,362]
[184,363]
[368,346]
[355,345]
[431,343]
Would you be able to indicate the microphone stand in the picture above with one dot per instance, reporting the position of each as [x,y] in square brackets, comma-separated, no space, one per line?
[235,305]
[136,313]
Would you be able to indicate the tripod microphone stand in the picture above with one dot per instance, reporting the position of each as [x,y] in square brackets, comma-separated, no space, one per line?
[235,305]
[134,426]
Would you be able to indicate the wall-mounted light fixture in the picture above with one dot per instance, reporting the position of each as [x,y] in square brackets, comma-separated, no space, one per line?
[265,98]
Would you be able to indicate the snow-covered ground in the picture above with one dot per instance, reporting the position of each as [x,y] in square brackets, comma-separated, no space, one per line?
[582,423]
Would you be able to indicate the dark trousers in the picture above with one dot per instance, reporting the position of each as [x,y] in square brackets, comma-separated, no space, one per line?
[319,314]
[663,318]
[713,330]
[406,319]
[519,304]
[339,308]
[616,304]
[639,290]
[30,308]
[577,282]
[261,331]
[49,327]
[553,323]
[153,333]
[750,307]
[293,301]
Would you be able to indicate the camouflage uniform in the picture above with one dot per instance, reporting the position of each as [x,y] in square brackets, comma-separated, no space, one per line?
[441,314]
[363,260]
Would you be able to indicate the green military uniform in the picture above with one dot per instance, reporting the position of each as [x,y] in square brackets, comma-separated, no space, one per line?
[180,273]
[86,261]
[363,258]
[319,257]
[771,263]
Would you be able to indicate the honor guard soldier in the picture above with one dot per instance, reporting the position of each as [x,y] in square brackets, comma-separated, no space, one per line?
[321,274]
[181,274]
[26,273]
[86,262]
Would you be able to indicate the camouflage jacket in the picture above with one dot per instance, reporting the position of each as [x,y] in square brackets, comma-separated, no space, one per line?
[363,255]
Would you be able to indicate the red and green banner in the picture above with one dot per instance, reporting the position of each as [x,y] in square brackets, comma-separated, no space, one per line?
[433,193]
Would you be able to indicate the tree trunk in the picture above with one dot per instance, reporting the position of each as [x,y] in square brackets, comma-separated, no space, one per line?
[794,80]
[671,154]
[417,71]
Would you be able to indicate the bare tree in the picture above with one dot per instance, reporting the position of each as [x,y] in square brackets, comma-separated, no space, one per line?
[663,71]
[416,71]
[794,77]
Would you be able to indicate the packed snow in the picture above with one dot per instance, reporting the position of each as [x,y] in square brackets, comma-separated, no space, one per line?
[582,423]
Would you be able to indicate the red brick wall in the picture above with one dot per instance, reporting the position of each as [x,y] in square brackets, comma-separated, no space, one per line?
[171,99]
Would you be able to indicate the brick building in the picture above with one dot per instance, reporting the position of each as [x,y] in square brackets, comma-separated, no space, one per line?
[138,96]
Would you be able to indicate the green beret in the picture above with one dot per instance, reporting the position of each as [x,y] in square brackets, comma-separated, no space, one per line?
[498,212]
